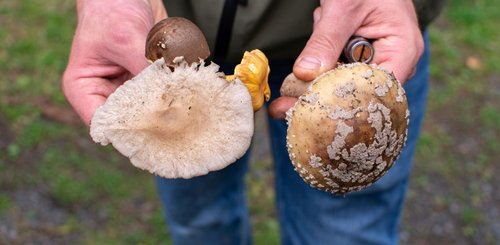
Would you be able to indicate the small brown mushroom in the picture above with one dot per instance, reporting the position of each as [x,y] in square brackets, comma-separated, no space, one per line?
[175,37]
[348,128]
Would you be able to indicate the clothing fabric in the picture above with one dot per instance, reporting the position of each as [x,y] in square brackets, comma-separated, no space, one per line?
[212,209]
[280,28]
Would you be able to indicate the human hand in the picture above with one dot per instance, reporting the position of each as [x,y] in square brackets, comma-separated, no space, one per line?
[107,49]
[392,24]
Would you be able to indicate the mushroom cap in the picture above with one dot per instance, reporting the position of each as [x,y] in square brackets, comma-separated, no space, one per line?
[174,37]
[348,128]
[253,71]
[180,123]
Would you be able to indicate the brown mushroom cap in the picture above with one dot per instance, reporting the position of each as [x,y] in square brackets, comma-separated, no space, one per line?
[348,128]
[175,37]
[180,123]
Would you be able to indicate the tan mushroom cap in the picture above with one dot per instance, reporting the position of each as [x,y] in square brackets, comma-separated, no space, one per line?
[180,123]
[348,128]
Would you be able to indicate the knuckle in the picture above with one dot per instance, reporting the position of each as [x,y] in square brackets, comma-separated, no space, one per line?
[120,34]
[124,26]
[348,5]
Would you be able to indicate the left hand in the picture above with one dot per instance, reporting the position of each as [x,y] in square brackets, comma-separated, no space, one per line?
[107,50]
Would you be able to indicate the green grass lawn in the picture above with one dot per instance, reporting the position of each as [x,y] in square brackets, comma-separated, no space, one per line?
[453,197]
[58,187]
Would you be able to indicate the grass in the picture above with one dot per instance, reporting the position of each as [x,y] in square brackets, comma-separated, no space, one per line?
[5,203]
[458,150]
[89,194]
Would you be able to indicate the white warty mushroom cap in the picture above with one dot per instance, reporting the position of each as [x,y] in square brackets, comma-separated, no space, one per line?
[177,124]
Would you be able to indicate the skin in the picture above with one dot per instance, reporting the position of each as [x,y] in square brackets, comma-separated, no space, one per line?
[107,49]
[391,23]
[108,46]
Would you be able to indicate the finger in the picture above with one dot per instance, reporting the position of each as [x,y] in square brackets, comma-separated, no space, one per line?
[159,10]
[279,107]
[399,42]
[85,106]
[330,34]
[398,56]
[86,94]
[316,15]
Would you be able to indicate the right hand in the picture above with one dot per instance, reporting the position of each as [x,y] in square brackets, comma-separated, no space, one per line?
[393,24]
[107,49]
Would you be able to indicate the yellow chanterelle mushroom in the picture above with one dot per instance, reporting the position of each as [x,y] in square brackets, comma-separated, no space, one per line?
[253,71]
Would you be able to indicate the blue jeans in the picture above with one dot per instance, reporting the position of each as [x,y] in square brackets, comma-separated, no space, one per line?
[212,209]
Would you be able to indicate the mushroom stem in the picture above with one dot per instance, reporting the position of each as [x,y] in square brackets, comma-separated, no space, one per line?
[293,87]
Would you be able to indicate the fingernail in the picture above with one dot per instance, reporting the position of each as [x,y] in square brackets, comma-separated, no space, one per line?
[309,63]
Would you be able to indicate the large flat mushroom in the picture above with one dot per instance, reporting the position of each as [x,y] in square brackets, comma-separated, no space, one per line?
[180,123]
[179,117]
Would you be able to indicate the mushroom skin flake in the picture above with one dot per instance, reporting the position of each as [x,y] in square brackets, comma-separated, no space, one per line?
[352,133]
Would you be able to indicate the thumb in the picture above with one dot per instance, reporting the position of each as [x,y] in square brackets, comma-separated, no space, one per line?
[331,32]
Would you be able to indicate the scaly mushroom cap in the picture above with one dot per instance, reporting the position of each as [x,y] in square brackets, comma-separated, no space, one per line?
[183,123]
[348,128]
[175,37]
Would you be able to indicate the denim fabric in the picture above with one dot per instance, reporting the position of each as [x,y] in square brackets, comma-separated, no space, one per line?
[212,209]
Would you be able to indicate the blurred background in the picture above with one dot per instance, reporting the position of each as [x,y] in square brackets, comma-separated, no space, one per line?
[58,187]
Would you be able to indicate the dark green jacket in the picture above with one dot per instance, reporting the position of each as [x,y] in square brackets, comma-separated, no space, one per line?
[280,28]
